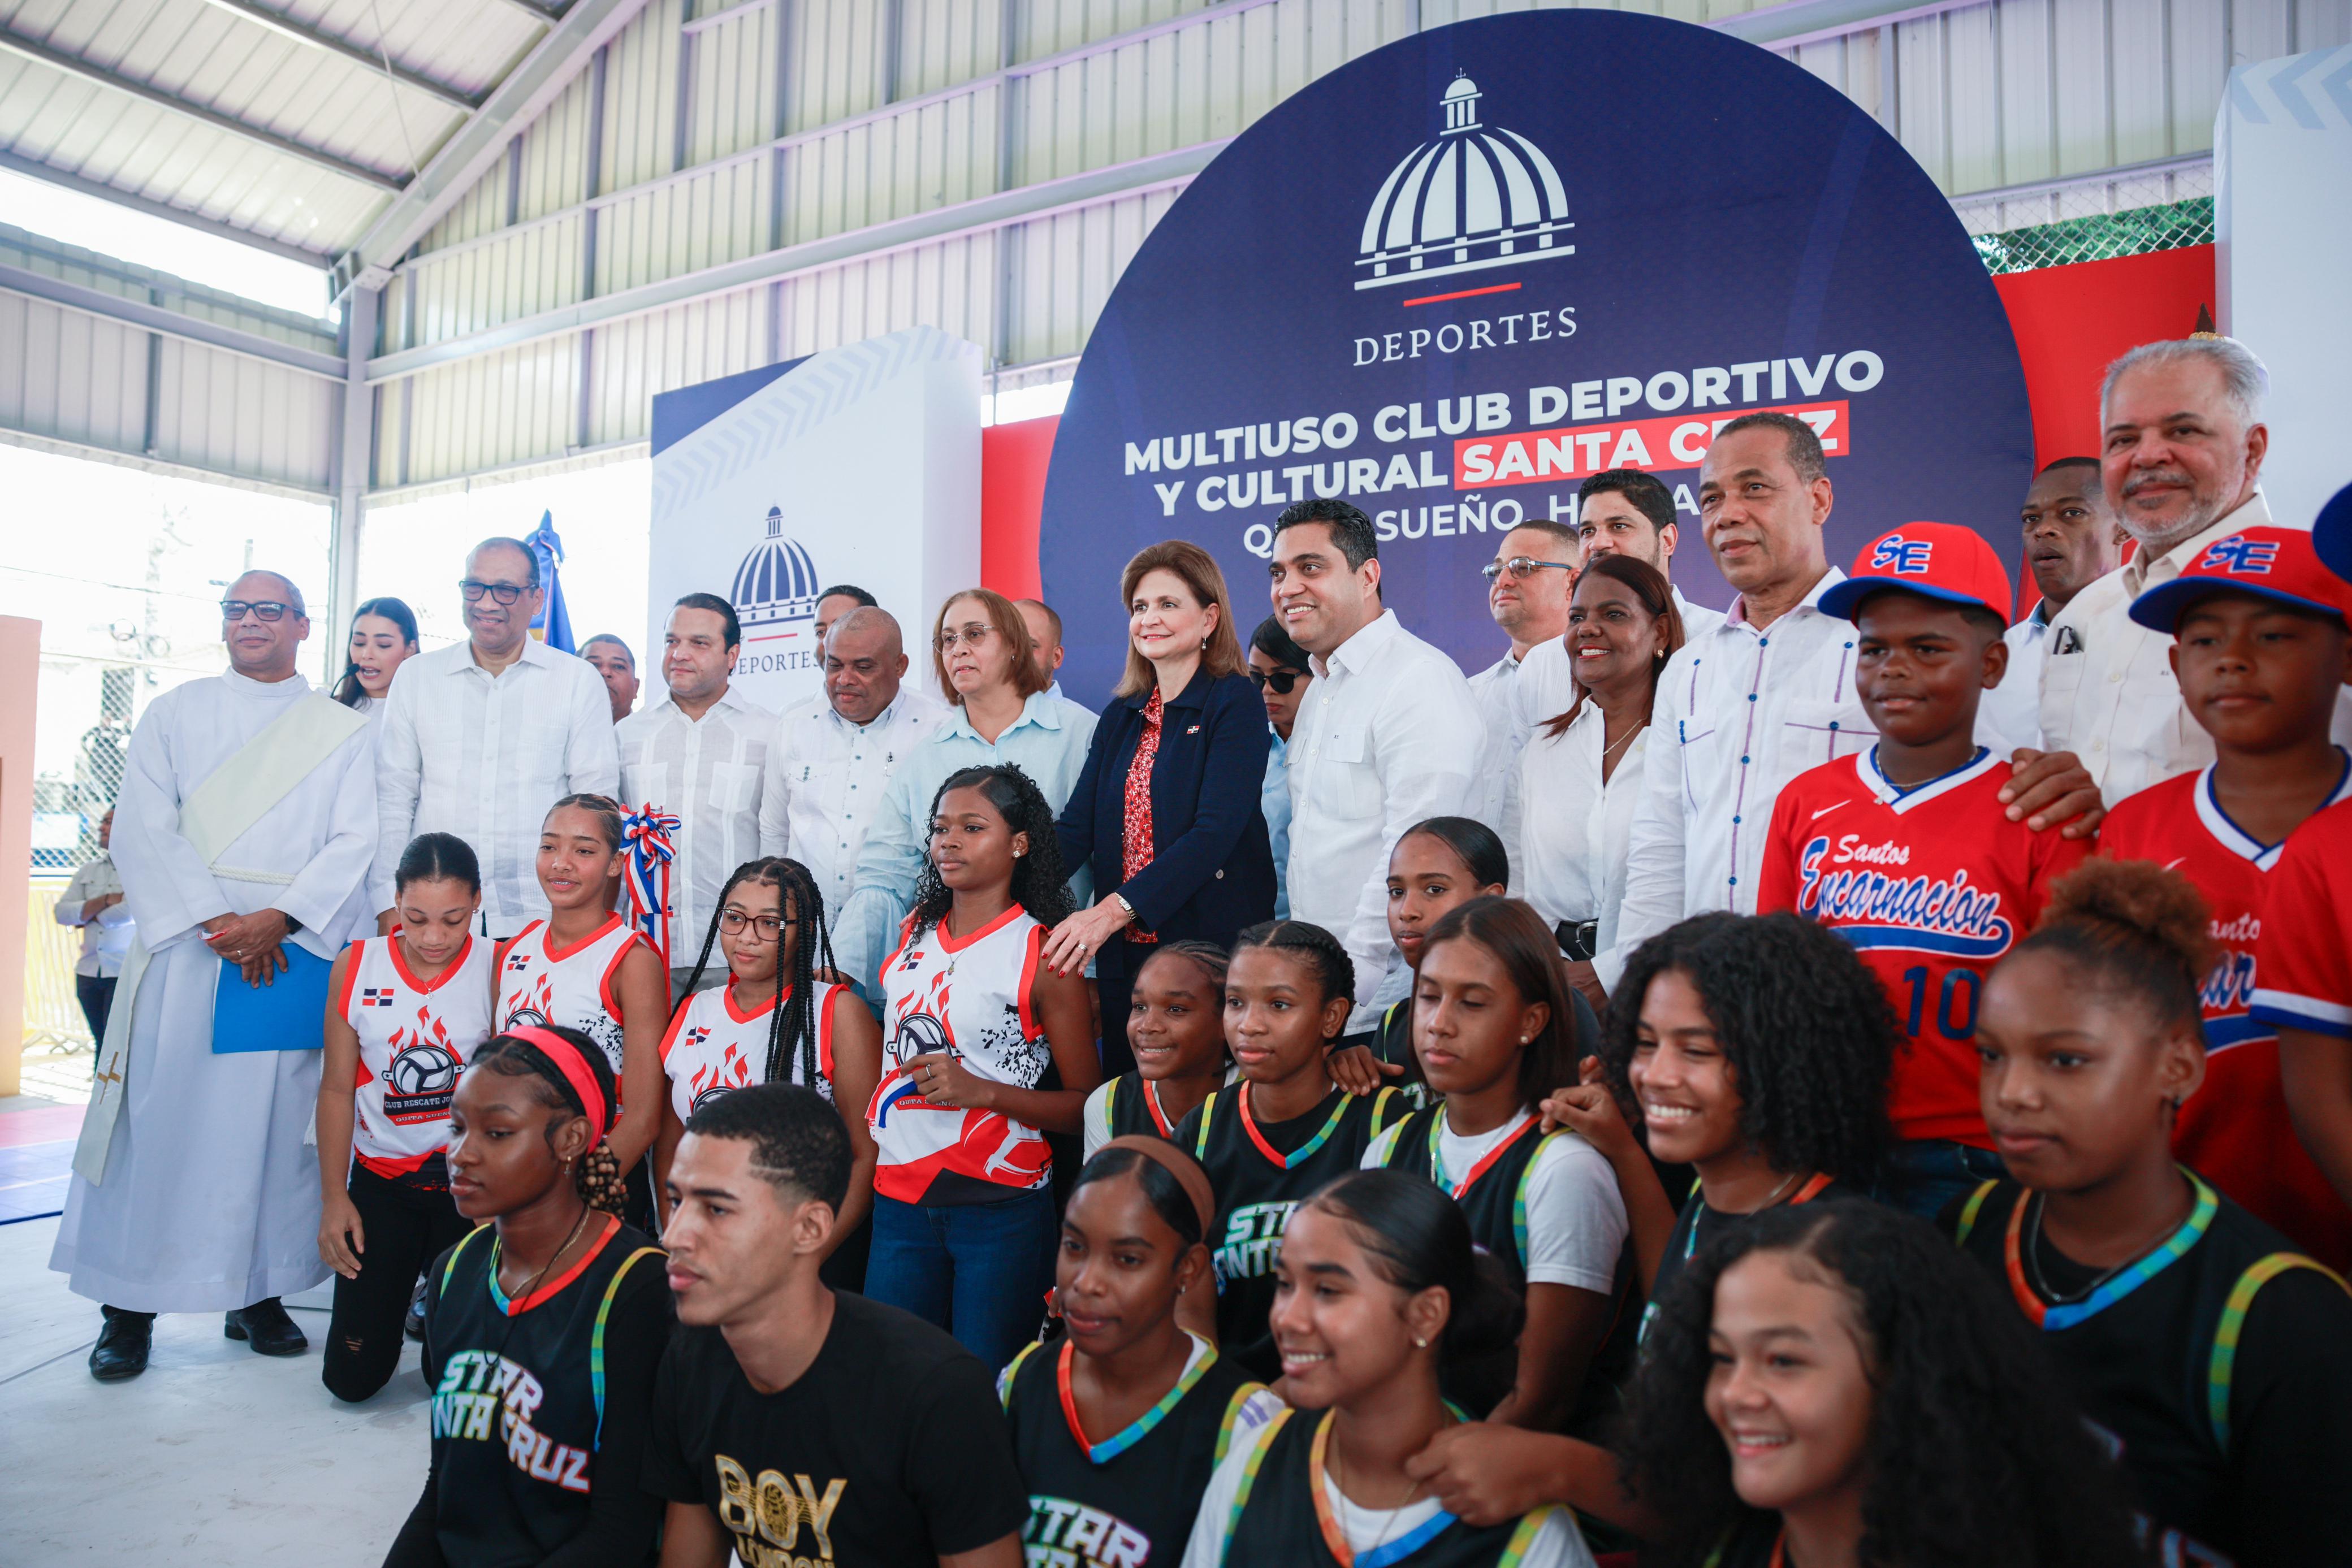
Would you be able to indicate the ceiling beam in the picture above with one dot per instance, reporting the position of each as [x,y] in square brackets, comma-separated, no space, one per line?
[1794,22]
[15,43]
[34,169]
[376,61]
[468,153]
[152,318]
[546,16]
[978,215]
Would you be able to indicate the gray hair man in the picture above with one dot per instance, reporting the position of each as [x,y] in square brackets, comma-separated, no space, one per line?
[2182,443]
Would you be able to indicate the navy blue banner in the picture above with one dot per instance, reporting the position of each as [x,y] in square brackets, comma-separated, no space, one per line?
[1455,278]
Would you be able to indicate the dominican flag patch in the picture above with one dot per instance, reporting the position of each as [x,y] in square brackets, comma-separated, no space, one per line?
[375,995]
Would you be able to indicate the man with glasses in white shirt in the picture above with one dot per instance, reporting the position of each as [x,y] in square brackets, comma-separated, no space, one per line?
[833,754]
[1528,588]
[480,738]
[700,756]
[1387,737]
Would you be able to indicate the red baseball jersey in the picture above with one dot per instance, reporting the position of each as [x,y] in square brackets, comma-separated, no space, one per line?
[2235,1130]
[1932,886]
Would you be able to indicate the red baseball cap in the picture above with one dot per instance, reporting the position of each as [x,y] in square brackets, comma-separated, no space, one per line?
[2274,563]
[1934,561]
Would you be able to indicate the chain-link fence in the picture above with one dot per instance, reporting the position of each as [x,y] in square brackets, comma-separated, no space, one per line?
[2100,236]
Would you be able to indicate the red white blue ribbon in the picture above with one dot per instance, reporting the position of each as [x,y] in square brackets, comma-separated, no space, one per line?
[645,839]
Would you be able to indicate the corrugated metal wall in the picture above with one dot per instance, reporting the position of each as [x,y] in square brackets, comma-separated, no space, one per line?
[709,133]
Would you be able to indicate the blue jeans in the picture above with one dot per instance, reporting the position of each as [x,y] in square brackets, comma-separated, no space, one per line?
[1926,1176]
[981,1271]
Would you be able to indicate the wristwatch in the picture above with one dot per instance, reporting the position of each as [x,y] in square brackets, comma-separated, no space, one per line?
[1120,899]
[292,924]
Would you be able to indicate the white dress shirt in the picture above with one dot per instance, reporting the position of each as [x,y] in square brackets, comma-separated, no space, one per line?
[705,772]
[1495,794]
[1048,742]
[1274,800]
[106,936]
[1389,735]
[1575,828]
[2108,693]
[1739,713]
[460,751]
[826,779]
[2010,716]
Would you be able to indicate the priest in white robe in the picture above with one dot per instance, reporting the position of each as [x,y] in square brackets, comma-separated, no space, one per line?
[244,829]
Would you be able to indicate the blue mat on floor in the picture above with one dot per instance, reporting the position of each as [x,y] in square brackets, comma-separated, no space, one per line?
[33,1180]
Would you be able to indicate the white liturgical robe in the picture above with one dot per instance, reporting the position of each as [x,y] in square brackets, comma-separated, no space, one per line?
[209,1198]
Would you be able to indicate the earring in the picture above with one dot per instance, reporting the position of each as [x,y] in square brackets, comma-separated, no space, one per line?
[1419,1343]
[1526,1039]
[1016,854]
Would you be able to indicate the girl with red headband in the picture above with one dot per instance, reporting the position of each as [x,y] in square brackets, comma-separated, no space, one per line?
[542,1329]
[585,968]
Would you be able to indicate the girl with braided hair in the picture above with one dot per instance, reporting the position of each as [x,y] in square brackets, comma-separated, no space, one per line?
[1176,1029]
[775,1022]
[585,968]
[2215,1357]
[543,1327]
[984,1048]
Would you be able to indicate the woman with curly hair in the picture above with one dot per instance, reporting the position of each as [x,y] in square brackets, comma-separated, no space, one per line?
[984,1049]
[1754,1050]
[775,1022]
[1822,1389]
[2217,1358]
[542,1328]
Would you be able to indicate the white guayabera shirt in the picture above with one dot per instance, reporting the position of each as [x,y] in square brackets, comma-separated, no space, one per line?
[707,773]
[824,783]
[460,751]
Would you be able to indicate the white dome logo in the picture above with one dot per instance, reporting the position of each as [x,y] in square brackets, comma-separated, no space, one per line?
[777,582]
[1479,196]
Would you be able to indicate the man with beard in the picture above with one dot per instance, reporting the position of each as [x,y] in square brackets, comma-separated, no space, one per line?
[2182,443]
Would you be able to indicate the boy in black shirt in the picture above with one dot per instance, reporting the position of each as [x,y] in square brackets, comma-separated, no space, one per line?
[797,1426]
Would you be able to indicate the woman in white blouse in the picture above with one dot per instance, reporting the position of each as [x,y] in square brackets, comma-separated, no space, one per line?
[1580,773]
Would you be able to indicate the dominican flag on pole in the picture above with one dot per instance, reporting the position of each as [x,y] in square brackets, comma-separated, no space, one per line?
[552,624]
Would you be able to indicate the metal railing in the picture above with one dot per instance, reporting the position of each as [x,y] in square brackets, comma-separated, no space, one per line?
[53,1019]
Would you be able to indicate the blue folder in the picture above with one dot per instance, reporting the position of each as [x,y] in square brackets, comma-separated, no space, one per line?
[287,1014]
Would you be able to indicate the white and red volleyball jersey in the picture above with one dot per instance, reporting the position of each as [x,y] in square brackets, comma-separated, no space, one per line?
[968,996]
[541,983]
[1931,885]
[714,1046]
[415,1037]
[2235,1131]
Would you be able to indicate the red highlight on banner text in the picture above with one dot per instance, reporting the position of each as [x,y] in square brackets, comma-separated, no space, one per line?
[1660,446]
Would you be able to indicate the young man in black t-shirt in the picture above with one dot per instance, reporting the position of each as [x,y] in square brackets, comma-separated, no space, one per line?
[792,1424]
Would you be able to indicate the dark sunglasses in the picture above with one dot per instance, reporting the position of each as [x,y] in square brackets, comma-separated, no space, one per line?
[1280,680]
[234,609]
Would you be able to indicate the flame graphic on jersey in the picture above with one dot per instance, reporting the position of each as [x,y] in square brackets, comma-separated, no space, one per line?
[537,1009]
[423,1073]
[923,1029]
[734,1071]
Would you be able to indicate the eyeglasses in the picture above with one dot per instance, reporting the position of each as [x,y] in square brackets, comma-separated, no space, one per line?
[1280,680]
[504,592]
[234,609]
[971,636]
[770,926]
[1522,566]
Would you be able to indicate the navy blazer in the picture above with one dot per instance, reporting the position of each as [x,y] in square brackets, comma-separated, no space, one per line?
[1212,870]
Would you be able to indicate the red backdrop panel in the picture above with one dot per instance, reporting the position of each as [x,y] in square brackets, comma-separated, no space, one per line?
[1012,461]
[2070,322]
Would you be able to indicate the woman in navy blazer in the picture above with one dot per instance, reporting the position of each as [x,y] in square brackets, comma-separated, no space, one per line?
[1177,839]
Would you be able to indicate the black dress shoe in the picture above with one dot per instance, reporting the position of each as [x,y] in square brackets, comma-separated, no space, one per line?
[267,1328]
[122,1344]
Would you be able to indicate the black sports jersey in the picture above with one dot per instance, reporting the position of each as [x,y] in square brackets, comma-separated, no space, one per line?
[1260,1172]
[1493,1197]
[1281,1515]
[1129,1501]
[1393,1044]
[1698,1224]
[1131,1107]
[520,1390]
[2217,1366]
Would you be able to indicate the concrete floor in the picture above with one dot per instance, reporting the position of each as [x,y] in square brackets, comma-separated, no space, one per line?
[215,1457]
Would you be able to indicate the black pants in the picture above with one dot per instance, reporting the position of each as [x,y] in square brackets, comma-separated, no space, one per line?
[404,1229]
[96,996]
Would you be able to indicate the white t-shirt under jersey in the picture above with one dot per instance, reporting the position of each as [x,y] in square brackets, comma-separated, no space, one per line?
[1576,1217]
[1557,1544]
